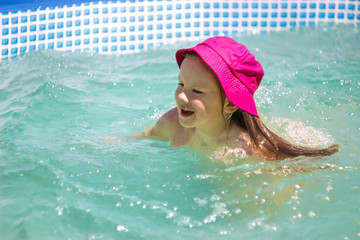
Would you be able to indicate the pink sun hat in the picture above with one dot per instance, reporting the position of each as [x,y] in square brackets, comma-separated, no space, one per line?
[236,68]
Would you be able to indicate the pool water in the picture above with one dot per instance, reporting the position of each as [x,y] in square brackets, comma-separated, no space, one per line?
[58,180]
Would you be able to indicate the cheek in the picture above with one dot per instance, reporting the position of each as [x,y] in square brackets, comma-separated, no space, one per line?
[208,106]
[199,104]
[212,104]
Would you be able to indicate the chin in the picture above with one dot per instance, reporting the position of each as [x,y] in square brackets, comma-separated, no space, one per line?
[186,124]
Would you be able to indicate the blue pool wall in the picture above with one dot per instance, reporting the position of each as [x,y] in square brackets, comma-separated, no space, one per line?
[109,27]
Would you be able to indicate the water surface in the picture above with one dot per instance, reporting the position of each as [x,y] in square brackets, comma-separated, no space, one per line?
[58,180]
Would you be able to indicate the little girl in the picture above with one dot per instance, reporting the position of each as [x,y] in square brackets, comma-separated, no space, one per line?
[215,105]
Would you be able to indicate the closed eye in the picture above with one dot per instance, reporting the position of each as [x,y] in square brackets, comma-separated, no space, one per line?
[197,91]
[194,90]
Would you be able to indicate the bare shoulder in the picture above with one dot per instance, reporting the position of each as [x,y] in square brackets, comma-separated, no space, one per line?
[170,117]
[240,138]
[166,127]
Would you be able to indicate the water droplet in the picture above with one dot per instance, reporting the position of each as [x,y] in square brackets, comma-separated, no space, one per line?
[238,210]
[223,232]
[121,228]
[170,215]
[311,214]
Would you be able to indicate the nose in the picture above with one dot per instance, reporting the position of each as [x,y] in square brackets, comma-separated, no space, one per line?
[182,97]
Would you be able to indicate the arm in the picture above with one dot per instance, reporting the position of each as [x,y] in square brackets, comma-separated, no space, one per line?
[165,129]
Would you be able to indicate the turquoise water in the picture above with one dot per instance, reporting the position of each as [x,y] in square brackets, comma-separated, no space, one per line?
[58,180]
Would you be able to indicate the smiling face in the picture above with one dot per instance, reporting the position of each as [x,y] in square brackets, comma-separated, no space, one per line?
[198,95]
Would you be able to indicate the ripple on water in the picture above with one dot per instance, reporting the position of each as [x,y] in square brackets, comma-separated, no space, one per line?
[59,180]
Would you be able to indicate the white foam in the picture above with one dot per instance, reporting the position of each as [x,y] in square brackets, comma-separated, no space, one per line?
[298,133]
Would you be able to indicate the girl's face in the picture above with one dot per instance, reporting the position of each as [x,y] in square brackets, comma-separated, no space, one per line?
[198,95]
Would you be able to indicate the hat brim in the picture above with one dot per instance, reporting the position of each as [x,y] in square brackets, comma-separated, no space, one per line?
[234,89]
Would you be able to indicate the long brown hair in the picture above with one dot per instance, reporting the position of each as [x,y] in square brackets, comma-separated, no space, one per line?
[271,144]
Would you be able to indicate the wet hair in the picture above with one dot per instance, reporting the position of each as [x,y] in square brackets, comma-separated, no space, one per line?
[271,144]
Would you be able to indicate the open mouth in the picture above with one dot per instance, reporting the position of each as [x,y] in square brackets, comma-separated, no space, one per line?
[186,113]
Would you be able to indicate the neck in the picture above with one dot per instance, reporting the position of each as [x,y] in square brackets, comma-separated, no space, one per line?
[211,136]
